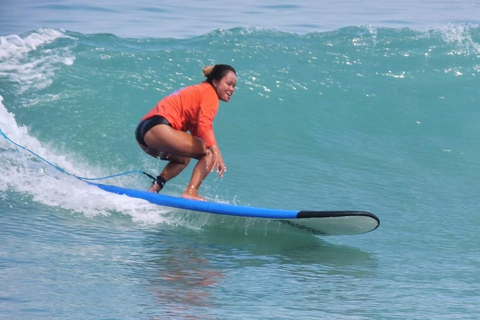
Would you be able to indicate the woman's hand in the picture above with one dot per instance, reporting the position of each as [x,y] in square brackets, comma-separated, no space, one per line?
[217,161]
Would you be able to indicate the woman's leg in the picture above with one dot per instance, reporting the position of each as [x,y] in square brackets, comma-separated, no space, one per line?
[168,141]
[200,172]
[174,166]
[178,147]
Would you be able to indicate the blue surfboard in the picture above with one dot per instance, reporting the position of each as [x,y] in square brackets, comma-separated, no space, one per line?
[316,222]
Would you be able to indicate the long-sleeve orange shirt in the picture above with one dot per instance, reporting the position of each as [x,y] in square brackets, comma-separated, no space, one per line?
[192,108]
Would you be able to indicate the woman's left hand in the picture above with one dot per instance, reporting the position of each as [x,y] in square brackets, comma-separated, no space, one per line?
[217,161]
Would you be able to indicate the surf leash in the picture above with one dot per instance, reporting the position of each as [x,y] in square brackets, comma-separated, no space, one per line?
[68,173]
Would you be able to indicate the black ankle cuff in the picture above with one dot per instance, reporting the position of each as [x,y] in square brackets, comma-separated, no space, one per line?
[160,181]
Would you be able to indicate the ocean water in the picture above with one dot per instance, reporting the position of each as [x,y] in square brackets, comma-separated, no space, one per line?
[354,105]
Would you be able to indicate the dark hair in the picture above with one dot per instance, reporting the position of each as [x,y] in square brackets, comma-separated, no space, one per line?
[217,72]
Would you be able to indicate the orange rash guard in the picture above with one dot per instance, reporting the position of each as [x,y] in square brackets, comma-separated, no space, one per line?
[192,108]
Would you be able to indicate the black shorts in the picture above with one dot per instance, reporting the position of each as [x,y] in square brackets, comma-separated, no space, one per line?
[146,125]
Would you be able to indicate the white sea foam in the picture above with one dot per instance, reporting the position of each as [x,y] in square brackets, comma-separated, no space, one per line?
[28,71]
[13,45]
[461,35]
[23,173]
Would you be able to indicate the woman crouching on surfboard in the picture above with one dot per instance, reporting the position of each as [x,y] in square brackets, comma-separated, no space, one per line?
[162,132]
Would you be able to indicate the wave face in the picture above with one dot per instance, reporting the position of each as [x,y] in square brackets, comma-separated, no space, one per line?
[330,111]
[358,118]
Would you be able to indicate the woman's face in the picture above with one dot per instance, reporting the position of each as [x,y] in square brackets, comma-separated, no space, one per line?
[226,86]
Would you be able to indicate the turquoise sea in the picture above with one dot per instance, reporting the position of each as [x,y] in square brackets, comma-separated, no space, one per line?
[356,105]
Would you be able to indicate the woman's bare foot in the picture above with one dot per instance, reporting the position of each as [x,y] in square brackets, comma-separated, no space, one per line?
[157,184]
[155,188]
[192,194]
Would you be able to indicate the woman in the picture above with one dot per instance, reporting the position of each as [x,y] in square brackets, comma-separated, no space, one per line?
[162,132]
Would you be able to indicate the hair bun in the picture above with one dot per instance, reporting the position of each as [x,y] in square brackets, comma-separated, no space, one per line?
[207,70]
